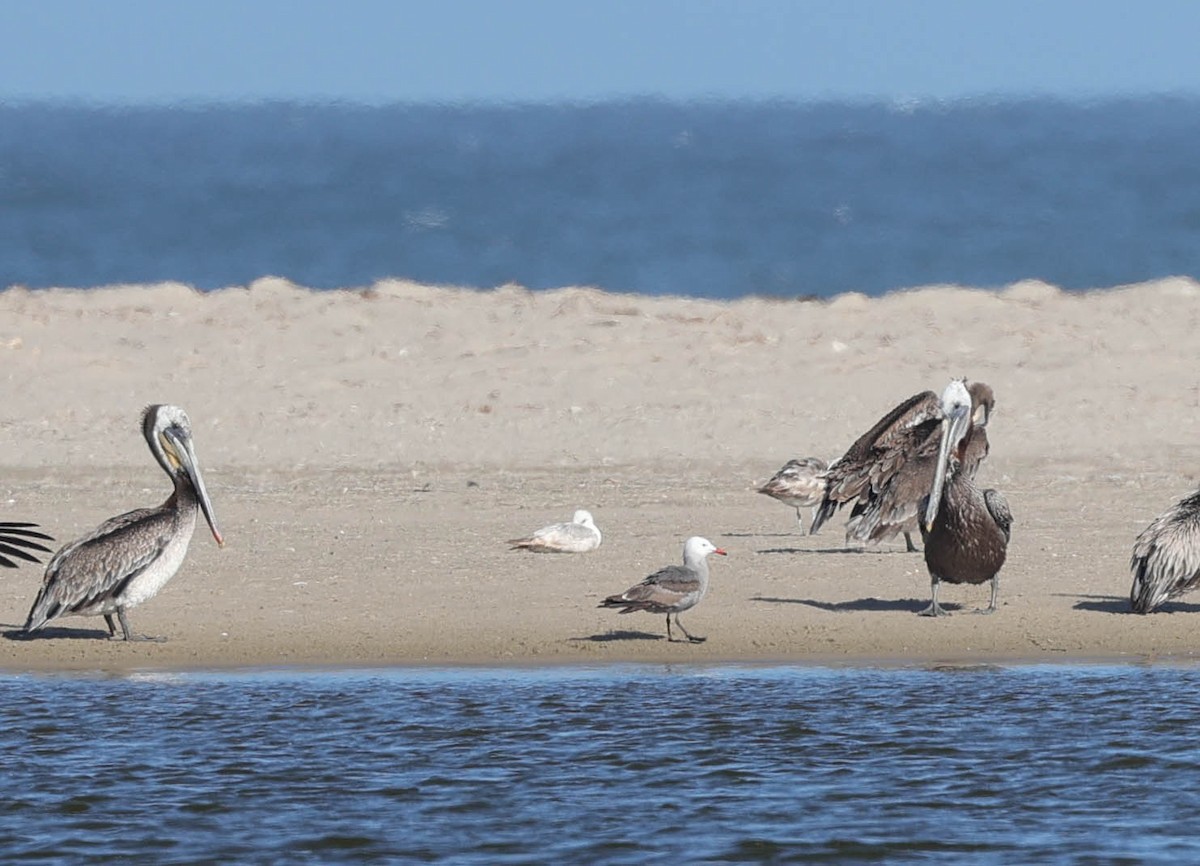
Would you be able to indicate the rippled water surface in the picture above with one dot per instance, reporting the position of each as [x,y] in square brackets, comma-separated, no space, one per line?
[1080,764]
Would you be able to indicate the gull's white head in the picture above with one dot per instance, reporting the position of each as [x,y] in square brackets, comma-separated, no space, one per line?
[696,548]
[584,517]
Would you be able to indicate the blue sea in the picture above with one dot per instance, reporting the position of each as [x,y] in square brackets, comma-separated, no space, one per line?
[622,765]
[710,199]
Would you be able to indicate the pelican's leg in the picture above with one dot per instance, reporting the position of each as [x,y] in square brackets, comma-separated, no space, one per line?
[991,608]
[909,547]
[112,626]
[128,633]
[669,628]
[934,608]
[685,632]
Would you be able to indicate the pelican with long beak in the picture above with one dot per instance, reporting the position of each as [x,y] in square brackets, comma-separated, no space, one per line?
[127,559]
[965,529]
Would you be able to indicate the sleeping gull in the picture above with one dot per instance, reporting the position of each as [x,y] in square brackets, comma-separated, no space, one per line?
[672,589]
[578,536]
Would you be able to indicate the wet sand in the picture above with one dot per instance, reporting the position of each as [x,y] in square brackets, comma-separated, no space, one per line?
[368,452]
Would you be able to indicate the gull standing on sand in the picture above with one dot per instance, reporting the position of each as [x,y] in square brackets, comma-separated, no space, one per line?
[965,529]
[799,484]
[16,540]
[578,536]
[673,589]
[127,559]
[1166,556]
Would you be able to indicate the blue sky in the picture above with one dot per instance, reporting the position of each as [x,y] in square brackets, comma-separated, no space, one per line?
[135,51]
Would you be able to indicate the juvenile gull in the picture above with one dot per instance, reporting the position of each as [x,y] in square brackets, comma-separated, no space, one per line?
[799,484]
[578,536]
[673,589]
[127,559]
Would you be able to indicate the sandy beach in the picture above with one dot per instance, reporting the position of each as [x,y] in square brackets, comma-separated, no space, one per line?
[368,451]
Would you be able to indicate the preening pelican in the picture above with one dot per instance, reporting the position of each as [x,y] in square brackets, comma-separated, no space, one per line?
[799,484]
[17,539]
[127,559]
[1166,556]
[965,530]
[889,469]
[673,589]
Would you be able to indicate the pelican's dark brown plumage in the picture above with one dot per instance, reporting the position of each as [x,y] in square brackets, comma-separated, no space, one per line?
[965,529]
[890,468]
[1166,556]
[16,542]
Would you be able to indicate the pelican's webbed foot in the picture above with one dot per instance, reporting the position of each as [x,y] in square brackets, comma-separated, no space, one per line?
[934,609]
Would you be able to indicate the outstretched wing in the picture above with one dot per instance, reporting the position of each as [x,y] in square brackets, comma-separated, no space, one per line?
[877,453]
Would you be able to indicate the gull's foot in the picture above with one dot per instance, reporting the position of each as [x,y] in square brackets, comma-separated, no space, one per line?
[695,639]
[984,611]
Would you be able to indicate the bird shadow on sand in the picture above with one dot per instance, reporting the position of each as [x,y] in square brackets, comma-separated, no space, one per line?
[875,551]
[1120,604]
[764,535]
[811,550]
[610,636]
[909,605]
[55,632]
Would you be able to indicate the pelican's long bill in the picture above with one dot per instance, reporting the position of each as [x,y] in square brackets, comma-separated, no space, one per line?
[956,421]
[181,448]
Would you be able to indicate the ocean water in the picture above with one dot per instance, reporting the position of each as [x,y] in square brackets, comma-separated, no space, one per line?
[705,199]
[980,764]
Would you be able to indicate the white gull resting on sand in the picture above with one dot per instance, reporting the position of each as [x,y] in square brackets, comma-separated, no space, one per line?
[578,536]
[672,589]
[800,483]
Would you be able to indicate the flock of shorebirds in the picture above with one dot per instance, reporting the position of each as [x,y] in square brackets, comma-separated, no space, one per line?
[914,470]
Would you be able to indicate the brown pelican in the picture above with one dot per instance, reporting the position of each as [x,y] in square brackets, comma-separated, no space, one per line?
[127,559]
[1166,556]
[800,483]
[16,540]
[673,589]
[888,470]
[578,536]
[965,530]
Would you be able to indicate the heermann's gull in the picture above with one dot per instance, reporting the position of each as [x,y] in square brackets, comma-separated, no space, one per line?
[673,589]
